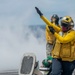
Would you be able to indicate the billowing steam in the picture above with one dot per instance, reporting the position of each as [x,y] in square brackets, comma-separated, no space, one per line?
[15,41]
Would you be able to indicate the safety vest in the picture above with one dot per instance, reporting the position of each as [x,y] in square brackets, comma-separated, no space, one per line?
[64,51]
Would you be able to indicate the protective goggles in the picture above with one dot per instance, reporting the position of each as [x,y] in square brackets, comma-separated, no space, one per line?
[64,24]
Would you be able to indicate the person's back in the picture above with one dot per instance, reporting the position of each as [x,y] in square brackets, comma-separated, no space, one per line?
[50,38]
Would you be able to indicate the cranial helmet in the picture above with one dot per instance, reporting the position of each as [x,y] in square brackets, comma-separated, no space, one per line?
[66,23]
[67,20]
[55,16]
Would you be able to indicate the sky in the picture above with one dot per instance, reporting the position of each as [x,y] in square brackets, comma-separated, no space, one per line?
[14,16]
[18,12]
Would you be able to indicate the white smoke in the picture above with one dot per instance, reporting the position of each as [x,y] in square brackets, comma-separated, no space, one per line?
[14,42]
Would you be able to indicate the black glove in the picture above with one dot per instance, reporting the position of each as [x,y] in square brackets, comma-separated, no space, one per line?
[51,29]
[38,11]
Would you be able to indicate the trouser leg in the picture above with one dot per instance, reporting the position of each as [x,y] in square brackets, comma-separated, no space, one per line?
[50,69]
[68,67]
[56,67]
[74,63]
[48,49]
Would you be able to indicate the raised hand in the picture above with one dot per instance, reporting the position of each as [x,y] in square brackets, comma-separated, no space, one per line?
[38,11]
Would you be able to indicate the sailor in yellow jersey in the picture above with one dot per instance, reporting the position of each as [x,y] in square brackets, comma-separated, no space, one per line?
[50,38]
[63,53]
